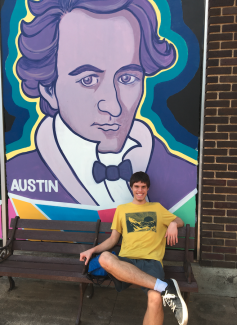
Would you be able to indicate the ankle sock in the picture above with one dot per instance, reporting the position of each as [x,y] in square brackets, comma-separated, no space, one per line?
[160,285]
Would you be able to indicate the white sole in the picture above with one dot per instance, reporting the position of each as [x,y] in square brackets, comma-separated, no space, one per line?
[185,309]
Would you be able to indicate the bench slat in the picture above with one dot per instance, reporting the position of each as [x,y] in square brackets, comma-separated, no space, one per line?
[46,259]
[55,224]
[62,248]
[176,255]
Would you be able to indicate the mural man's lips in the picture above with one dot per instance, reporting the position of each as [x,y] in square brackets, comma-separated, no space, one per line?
[107,126]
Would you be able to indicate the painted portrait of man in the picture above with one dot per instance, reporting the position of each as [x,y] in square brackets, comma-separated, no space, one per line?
[87,61]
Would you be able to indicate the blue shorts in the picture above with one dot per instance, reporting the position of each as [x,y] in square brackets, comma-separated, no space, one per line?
[151,267]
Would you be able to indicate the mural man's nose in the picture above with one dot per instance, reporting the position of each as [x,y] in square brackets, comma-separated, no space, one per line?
[109,102]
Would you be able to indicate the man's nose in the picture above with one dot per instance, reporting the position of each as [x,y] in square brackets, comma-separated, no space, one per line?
[108,101]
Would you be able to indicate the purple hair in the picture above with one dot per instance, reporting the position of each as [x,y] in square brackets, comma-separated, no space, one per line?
[38,41]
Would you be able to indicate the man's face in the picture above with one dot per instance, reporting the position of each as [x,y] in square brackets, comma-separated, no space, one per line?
[139,191]
[100,78]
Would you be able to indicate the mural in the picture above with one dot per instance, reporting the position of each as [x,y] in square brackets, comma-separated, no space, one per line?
[89,84]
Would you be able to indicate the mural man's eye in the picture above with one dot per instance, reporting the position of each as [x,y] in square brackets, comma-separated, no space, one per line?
[127,79]
[89,81]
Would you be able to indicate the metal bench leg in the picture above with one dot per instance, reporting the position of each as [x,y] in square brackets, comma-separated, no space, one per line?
[12,283]
[90,291]
[186,297]
[83,287]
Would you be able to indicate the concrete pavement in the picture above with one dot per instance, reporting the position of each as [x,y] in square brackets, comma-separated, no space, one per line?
[36,302]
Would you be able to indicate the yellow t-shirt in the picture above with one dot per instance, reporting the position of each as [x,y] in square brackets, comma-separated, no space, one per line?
[143,228]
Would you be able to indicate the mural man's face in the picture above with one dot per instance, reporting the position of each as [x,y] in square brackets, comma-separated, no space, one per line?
[100,78]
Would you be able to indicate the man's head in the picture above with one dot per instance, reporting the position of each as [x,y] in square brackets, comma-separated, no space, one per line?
[139,183]
[87,60]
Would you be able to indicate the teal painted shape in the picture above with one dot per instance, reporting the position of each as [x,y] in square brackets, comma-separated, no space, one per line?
[71,214]
[187,212]
[19,12]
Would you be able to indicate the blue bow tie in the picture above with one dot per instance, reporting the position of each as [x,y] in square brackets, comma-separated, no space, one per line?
[112,173]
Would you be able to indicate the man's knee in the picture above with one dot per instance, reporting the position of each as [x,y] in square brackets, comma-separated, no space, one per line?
[106,259]
[154,299]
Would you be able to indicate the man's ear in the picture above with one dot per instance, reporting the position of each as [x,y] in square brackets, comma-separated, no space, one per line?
[49,94]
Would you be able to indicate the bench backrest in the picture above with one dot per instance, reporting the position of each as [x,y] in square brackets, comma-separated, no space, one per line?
[74,237]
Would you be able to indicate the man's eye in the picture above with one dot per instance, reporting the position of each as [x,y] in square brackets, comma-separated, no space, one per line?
[127,79]
[89,81]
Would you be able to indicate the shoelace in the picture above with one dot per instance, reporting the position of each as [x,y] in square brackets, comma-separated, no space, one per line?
[167,300]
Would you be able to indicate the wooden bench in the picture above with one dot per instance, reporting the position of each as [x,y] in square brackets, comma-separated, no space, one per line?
[51,252]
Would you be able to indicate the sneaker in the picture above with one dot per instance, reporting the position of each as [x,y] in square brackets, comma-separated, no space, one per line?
[173,298]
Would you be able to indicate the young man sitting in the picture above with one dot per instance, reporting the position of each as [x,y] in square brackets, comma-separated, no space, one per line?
[145,227]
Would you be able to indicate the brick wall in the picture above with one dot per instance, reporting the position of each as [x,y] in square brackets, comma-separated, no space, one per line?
[219,198]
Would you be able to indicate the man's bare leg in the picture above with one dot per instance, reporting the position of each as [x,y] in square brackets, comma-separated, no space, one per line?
[154,313]
[125,271]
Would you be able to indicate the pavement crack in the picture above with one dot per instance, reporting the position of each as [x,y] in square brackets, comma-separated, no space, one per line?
[113,308]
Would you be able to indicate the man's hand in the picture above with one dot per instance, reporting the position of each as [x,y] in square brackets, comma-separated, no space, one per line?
[85,256]
[172,234]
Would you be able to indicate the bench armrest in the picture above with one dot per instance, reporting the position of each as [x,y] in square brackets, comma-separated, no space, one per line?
[7,251]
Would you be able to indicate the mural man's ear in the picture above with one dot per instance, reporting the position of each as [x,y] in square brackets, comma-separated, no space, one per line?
[49,94]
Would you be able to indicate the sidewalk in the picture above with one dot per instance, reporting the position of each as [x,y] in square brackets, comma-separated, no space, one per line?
[36,302]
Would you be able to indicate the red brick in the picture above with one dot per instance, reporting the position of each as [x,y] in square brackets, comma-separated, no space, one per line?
[212,241]
[220,54]
[228,45]
[214,182]
[226,175]
[207,189]
[214,167]
[223,264]
[208,174]
[218,103]
[230,62]
[221,20]
[208,205]
[208,226]
[235,70]
[206,219]
[232,167]
[233,120]
[208,159]
[233,152]
[206,234]
[213,63]
[211,96]
[232,198]
[232,183]
[213,197]
[229,28]
[205,248]
[232,213]
[218,71]
[234,87]
[221,3]
[231,257]
[215,29]
[224,250]
[216,120]
[231,227]
[218,87]
[215,152]
[229,95]
[225,220]
[216,136]
[227,111]
[213,46]
[209,144]
[226,144]
[232,243]
[209,128]
[226,190]
[213,212]
[228,78]
[220,37]
[227,128]
[215,80]
[219,234]
[234,103]
[225,205]
[205,263]
[227,11]
[212,256]
[229,160]
[233,136]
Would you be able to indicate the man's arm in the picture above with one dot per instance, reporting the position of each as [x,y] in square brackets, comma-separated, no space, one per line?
[172,231]
[106,245]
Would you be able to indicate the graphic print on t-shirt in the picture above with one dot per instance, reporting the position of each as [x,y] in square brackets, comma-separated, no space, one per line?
[141,221]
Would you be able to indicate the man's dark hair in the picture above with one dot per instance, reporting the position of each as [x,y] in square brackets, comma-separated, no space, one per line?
[140,177]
